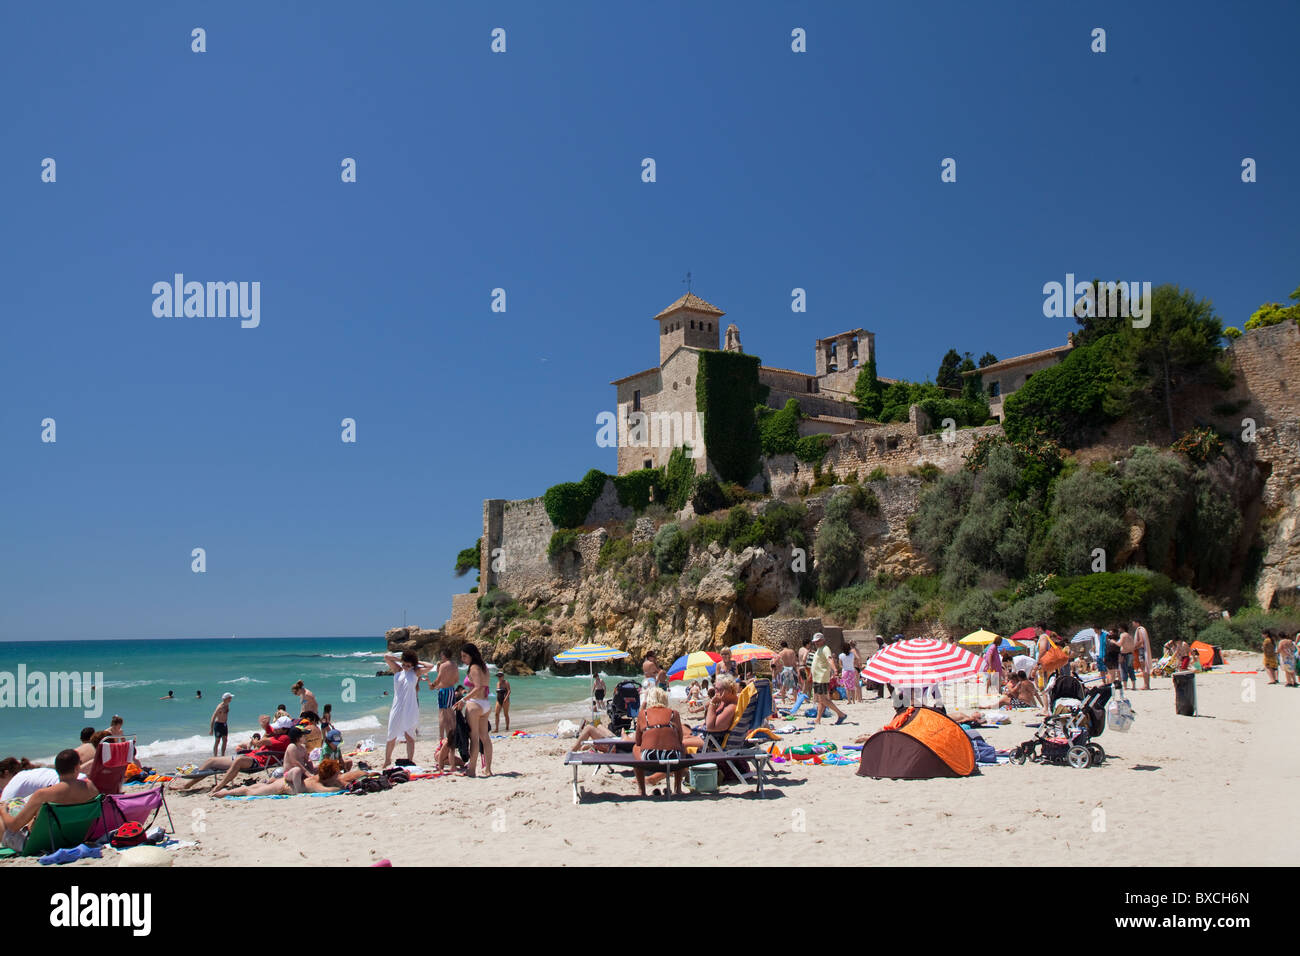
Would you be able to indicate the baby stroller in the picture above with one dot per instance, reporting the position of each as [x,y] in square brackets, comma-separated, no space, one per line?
[1067,737]
[623,706]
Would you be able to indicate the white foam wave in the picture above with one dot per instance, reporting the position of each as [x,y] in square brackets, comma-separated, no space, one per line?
[243,680]
[183,746]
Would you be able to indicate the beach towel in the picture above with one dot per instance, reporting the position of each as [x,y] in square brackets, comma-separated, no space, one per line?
[117,753]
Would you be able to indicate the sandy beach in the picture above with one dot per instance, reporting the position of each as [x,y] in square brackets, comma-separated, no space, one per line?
[1224,776]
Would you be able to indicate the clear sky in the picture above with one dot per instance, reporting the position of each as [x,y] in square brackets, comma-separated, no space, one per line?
[522,171]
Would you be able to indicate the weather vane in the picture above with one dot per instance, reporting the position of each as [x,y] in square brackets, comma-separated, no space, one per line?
[687,280]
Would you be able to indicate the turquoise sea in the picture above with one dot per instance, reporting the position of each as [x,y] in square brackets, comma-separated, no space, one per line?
[129,677]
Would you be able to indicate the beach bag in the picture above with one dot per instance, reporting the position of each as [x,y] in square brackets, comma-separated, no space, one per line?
[127,835]
[1052,659]
[1119,714]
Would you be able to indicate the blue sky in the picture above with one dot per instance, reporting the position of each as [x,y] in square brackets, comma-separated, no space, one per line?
[522,170]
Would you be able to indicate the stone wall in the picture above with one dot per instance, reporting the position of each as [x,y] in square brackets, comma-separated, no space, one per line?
[771,631]
[1267,363]
[464,612]
[814,404]
[523,531]
[895,448]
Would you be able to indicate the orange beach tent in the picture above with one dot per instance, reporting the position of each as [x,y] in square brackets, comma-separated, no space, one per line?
[918,744]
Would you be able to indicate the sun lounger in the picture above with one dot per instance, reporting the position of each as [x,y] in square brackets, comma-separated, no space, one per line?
[630,762]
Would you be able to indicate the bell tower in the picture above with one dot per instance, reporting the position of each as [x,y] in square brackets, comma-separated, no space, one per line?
[689,321]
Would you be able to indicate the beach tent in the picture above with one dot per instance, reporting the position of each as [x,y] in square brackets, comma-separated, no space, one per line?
[1206,653]
[917,745]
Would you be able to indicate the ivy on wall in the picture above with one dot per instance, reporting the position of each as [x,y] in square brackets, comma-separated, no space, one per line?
[726,391]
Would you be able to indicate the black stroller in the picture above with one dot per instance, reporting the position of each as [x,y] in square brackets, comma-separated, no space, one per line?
[1067,737]
[623,705]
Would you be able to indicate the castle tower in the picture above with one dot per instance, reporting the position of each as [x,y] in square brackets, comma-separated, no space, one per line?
[688,321]
[733,339]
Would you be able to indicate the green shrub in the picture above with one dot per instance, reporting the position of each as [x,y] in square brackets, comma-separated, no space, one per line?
[812,448]
[863,499]
[614,552]
[877,474]
[1041,607]
[779,430]
[634,488]
[837,547]
[1109,596]
[679,478]
[1087,512]
[1155,485]
[706,495]
[498,607]
[1069,402]
[726,390]
[468,559]
[565,539]
[901,604]
[670,549]
[845,605]
[567,504]
[976,609]
[927,471]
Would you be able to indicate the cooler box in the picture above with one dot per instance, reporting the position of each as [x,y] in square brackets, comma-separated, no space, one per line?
[703,778]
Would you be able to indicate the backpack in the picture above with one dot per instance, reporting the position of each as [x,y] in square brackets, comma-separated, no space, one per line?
[127,835]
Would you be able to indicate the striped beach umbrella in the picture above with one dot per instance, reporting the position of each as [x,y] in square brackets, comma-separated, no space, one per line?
[920,662]
[741,653]
[590,653]
[693,665]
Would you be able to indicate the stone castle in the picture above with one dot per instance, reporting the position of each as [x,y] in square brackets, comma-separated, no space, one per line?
[653,403]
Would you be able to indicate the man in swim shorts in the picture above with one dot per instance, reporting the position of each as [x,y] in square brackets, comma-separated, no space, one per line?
[444,685]
[220,724]
[788,677]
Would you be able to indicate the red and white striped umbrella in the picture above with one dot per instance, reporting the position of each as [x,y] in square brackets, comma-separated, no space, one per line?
[920,662]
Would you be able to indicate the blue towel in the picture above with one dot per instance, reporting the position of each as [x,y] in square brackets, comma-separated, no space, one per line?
[71,854]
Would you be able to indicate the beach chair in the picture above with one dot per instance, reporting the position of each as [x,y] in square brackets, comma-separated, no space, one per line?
[111,759]
[799,701]
[61,826]
[141,807]
[627,761]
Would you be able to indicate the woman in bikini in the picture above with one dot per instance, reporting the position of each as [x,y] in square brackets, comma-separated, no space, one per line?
[503,701]
[658,737]
[477,708]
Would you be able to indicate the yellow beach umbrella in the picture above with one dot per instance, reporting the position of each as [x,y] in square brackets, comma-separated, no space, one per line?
[980,638]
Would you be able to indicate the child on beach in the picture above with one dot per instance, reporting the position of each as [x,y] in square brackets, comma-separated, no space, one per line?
[1286,653]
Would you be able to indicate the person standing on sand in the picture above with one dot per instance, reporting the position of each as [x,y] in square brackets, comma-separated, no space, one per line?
[1127,675]
[805,677]
[1142,654]
[476,706]
[992,664]
[849,673]
[444,686]
[308,698]
[1286,653]
[597,689]
[219,726]
[822,669]
[503,701]
[788,678]
[1270,657]
[1112,655]
[649,674]
[404,716]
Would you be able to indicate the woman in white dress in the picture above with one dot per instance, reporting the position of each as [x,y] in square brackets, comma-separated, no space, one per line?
[404,718]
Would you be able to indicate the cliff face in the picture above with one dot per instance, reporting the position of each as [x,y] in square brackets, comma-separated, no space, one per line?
[628,604]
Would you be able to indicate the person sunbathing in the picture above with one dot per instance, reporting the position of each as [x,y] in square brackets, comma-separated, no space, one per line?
[272,748]
[1021,692]
[69,790]
[590,733]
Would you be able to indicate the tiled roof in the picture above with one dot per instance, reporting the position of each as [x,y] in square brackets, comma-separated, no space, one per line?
[1021,360]
[692,302]
[628,378]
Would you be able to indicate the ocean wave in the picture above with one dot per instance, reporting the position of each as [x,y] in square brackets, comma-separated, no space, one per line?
[243,680]
[120,684]
[183,746]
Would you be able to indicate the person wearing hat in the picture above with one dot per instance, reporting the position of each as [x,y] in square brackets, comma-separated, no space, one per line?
[219,726]
[822,666]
